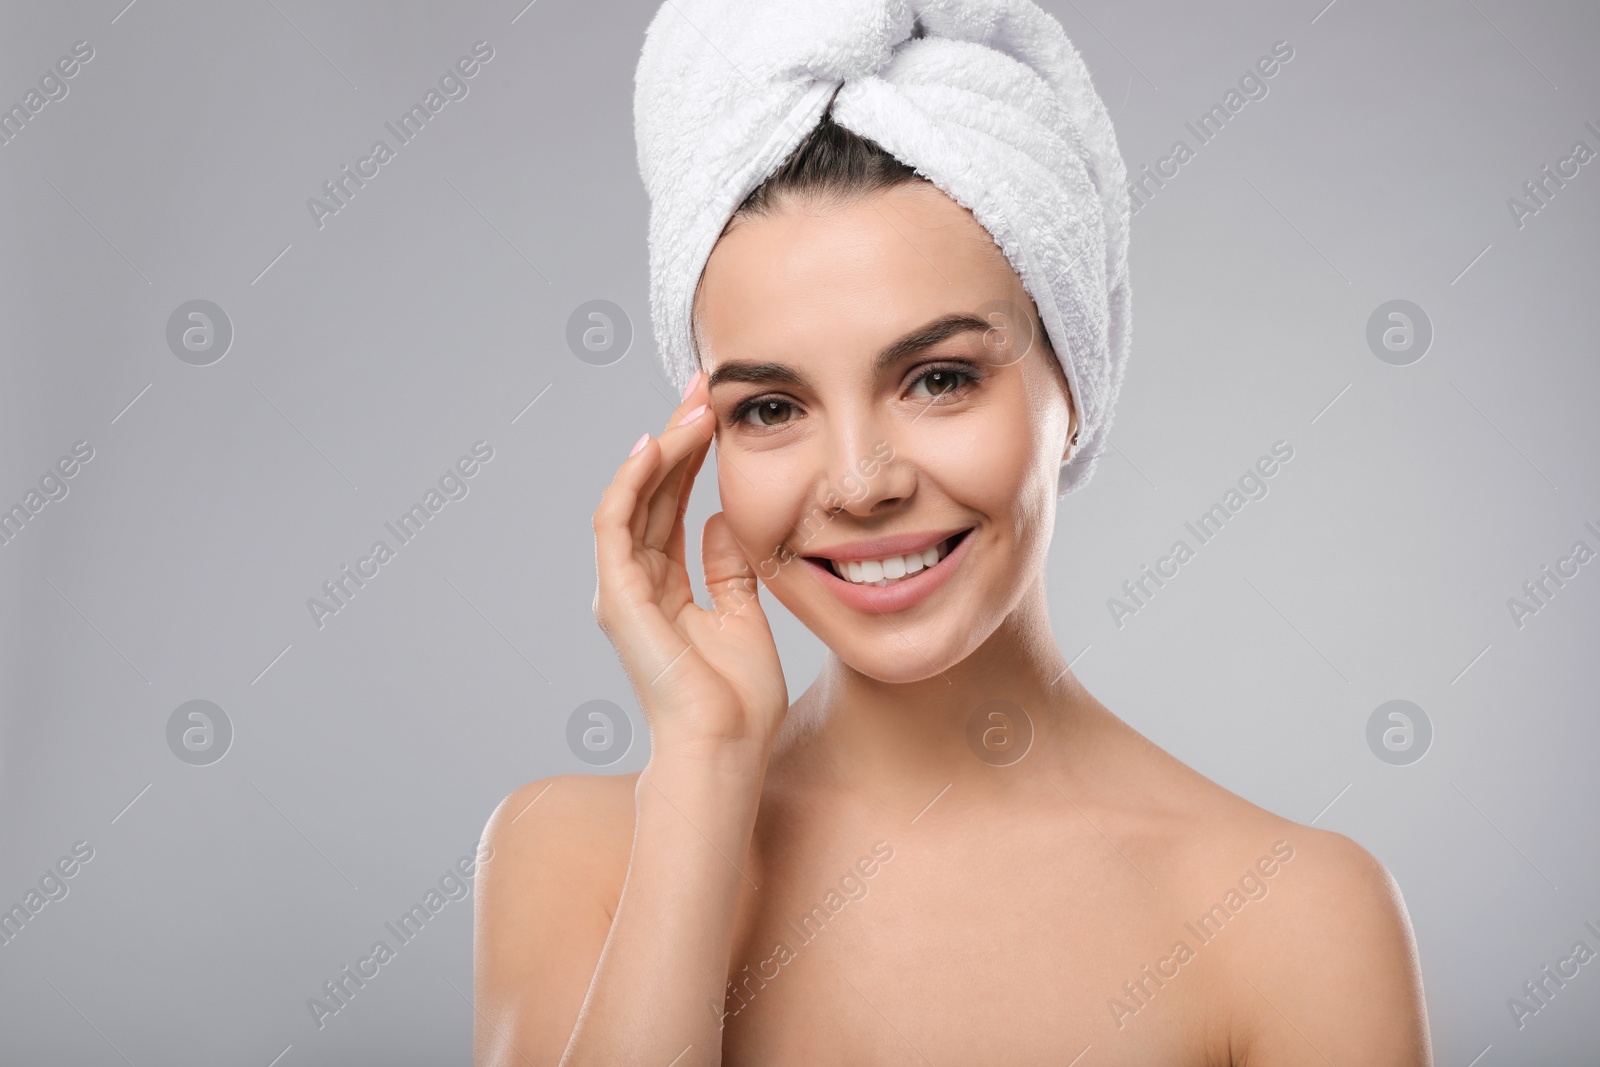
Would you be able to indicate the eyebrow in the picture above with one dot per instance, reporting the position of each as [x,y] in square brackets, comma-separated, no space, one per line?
[923,337]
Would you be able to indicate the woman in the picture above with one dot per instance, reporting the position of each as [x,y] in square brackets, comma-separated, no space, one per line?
[945,851]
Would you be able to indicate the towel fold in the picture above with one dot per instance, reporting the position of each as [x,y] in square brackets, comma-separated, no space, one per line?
[988,99]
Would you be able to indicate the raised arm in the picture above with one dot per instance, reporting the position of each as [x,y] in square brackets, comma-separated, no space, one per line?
[651,978]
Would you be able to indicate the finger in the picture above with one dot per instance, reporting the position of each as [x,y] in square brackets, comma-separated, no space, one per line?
[664,529]
[730,577]
[666,508]
[613,519]
[677,442]
[626,604]
[674,544]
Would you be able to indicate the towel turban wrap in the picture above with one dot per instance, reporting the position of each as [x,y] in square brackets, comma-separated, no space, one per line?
[987,99]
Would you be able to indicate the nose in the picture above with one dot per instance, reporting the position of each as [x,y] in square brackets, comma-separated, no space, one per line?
[867,477]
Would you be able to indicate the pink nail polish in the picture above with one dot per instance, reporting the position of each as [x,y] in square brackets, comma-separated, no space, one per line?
[639,444]
[690,416]
[694,380]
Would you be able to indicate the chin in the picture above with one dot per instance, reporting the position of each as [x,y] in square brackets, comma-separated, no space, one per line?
[893,659]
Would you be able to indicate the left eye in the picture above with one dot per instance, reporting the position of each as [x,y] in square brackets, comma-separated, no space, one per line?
[941,380]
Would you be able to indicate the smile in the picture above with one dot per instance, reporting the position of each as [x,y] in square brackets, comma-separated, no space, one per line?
[891,573]
[882,572]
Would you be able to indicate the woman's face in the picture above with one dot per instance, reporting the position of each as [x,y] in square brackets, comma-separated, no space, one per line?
[847,442]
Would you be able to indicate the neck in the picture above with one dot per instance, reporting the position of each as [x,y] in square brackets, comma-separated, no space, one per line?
[886,736]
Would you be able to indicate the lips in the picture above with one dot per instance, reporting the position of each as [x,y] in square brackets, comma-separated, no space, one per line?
[861,574]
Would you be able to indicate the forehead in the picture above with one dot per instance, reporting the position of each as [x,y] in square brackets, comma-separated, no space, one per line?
[856,273]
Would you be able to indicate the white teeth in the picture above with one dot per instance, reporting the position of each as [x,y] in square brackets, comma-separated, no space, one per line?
[881,572]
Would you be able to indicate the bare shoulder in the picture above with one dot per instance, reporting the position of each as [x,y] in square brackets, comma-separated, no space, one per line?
[1308,934]
[570,833]
[1304,931]
[588,811]
[553,859]
[1331,969]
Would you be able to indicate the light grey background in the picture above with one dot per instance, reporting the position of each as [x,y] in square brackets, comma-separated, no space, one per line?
[432,310]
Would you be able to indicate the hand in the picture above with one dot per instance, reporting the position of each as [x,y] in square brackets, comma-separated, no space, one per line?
[705,679]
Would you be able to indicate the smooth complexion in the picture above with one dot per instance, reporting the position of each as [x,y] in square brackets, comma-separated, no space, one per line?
[1022,899]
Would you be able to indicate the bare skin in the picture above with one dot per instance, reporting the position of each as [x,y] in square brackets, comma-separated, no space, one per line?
[860,876]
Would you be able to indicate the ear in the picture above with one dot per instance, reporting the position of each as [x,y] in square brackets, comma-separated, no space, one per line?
[1059,376]
[1072,426]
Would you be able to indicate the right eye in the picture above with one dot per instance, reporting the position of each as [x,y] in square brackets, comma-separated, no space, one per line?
[767,411]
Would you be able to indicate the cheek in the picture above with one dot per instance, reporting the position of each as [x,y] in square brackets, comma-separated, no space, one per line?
[985,463]
[755,491]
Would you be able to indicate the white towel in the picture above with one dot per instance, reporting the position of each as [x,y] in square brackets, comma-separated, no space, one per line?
[988,99]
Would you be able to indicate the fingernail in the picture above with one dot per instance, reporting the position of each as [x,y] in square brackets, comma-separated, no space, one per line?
[639,444]
[689,388]
[690,416]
